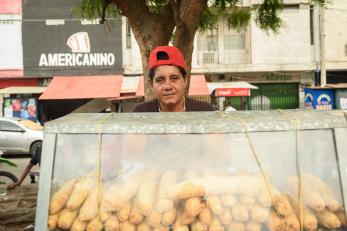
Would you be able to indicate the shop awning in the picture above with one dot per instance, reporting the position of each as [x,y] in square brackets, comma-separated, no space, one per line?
[22,90]
[11,73]
[240,88]
[10,7]
[198,85]
[83,87]
[95,105]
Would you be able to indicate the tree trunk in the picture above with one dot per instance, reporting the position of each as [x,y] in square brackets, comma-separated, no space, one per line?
[155,29]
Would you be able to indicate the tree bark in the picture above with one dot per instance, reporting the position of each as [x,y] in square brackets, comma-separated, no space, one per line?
[155,29]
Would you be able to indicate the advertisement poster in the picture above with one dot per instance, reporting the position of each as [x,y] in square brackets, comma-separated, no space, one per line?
[21,108]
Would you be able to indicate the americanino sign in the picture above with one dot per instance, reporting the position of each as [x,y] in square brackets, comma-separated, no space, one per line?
[80,54]
[70,47]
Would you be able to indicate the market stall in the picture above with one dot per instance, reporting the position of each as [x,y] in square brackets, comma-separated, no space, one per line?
[220,90]
[259,170]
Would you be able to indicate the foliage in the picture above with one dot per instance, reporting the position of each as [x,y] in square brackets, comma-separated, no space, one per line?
[265,14]
[239,17]
[156,5]
[91,9]
[320,2]
[208,19]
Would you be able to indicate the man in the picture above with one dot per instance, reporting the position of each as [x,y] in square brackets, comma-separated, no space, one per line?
[168,73]
[35,159]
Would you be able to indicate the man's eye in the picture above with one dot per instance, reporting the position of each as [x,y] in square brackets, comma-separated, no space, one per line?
[159,80]
[174,78]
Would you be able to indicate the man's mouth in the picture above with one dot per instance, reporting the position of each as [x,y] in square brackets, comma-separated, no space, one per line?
[169,94]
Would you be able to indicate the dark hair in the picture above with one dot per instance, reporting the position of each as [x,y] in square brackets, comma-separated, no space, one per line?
[151,72]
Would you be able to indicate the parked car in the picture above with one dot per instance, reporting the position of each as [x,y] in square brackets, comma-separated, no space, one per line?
[19,135]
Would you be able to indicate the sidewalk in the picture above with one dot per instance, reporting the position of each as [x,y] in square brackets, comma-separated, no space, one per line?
[18,208]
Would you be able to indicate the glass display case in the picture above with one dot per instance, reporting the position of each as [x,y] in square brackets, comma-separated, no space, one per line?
[256,170]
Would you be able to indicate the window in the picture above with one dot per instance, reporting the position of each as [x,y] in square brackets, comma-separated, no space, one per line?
[207,43]
[9,126]
[234,41]
[234,45]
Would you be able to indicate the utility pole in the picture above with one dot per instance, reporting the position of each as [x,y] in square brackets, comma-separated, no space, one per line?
[323,71]
[316,42]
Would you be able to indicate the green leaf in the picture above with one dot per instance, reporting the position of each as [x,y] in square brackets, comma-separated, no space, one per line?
[320,2]
[156,5]
[208,19]
[239,17]
[267,15]
[92,9]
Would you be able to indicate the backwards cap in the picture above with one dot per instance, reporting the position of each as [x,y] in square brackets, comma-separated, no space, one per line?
[174,55]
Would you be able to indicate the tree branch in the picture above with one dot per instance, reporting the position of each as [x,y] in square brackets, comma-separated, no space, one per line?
[166,21]
[175,6]
[191,13]
[131,8]
[105,4]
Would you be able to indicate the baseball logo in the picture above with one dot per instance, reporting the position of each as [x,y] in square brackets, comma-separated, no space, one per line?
[79,42]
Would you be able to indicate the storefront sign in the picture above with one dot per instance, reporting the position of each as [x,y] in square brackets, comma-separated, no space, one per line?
[68,60]
[71,48]
[80,56]
[308,101]
[232,92]
[319,99]
[324,102]
[271,77]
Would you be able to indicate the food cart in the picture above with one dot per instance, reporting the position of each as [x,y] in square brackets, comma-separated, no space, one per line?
[259,170]
[221,90]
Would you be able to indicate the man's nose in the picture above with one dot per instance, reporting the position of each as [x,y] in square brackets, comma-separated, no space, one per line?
[167,85]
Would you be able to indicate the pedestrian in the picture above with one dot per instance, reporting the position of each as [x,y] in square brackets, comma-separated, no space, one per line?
[35,159]
[168,78]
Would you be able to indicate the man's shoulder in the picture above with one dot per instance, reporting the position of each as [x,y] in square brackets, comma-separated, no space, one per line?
[148,106]
[195,105]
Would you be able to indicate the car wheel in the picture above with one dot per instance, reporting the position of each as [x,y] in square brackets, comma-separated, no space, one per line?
[34,147]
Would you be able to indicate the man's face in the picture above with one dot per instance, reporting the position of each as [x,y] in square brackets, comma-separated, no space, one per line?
[168,85]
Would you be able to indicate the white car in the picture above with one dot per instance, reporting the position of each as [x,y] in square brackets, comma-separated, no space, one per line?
[19,136]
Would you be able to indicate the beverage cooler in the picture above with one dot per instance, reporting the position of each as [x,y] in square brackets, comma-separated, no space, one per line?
[239,171]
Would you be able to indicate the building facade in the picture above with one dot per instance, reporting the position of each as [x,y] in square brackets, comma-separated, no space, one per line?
[280,64]
[41,40]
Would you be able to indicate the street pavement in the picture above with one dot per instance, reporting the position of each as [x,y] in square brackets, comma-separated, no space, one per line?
[21,161]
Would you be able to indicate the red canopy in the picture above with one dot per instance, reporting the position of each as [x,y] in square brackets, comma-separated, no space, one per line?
[83,87]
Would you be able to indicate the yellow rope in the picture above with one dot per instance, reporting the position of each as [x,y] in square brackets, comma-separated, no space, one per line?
[298,169]
[255,155]
[100,127]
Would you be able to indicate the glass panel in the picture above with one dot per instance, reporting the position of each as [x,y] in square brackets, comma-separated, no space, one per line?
[196,181]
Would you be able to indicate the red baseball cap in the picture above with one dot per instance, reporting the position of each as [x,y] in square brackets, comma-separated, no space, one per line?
[174,57]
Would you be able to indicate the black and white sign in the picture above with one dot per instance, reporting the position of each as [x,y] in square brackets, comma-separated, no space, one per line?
[68,45]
